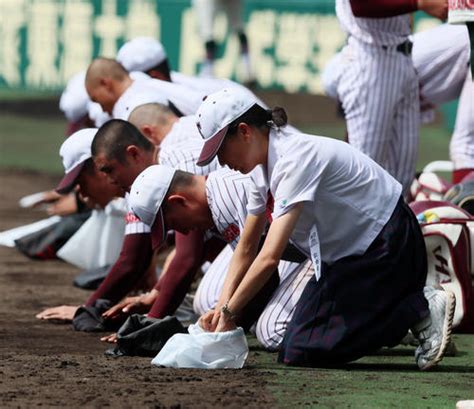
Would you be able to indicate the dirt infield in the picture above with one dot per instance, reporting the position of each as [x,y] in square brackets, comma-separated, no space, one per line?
[42,364]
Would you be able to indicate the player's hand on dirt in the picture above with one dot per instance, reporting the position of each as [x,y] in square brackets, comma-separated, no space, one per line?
[66,205]
[62,313]
[435,8]
[206,320]
[131,305]
[111,339]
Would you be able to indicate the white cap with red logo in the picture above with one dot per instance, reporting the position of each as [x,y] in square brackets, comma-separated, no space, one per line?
[215,114]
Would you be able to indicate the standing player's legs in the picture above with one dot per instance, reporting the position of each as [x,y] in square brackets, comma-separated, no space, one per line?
[403,144]
[206,12]
[233,9]
[370,89]
[271,326]
[461,148]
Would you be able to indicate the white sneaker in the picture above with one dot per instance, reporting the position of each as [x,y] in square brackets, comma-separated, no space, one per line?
[410,340]
[435,332]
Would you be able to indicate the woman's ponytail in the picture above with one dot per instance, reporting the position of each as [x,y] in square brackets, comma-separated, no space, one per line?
[279,116]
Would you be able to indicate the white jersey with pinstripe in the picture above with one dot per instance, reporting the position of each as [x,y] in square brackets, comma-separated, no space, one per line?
[378,89]
[182,146]
[377,31]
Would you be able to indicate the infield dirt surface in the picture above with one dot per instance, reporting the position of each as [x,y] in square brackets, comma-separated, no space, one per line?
[43,364]
[48,365]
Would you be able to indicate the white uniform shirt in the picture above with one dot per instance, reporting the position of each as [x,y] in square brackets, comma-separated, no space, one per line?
[150,90]
[348,198]
[227,194]
[182,146]
[387,31]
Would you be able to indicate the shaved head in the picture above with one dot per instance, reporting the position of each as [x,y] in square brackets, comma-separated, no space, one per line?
[113,138]
[154,114]
[154,121]
[104,68]
[106,80]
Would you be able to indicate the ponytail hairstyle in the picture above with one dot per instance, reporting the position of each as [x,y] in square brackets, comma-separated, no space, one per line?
[260,117]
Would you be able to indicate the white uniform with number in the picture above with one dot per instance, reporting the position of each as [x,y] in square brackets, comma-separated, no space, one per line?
[227,193]
[378,89]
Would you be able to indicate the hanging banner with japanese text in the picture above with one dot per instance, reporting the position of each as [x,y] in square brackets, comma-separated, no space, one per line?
[44,42]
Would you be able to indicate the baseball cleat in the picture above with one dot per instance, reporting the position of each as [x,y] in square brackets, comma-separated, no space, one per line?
[435,336]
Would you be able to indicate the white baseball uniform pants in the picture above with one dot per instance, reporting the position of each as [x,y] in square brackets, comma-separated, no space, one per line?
[206,11]
[378,90]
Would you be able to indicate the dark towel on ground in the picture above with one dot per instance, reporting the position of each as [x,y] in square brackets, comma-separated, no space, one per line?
[143,336]
[89,319]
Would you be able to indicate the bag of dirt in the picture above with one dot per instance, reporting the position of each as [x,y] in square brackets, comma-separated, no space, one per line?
[201,349]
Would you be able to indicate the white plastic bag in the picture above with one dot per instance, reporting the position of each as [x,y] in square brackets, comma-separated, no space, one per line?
[8,237]
[99,240]
[201,349]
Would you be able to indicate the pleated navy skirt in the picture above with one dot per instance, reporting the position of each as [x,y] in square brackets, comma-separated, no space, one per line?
[362,303]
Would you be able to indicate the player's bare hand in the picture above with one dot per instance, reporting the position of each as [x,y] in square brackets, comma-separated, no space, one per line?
[111,339]
[62,313]
[226,323]
[131,305]
[435,8]
[66,205]
[206,320]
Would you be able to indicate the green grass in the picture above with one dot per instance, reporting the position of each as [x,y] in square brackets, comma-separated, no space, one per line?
[389,379]
[31,143]
[27,94]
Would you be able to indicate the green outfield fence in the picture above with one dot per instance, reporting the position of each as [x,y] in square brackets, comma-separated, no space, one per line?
[44,42]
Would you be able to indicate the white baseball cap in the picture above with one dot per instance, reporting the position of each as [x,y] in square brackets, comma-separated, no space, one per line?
[146,197]
[74,98]
[141,54]
[75,150]
[215,114]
